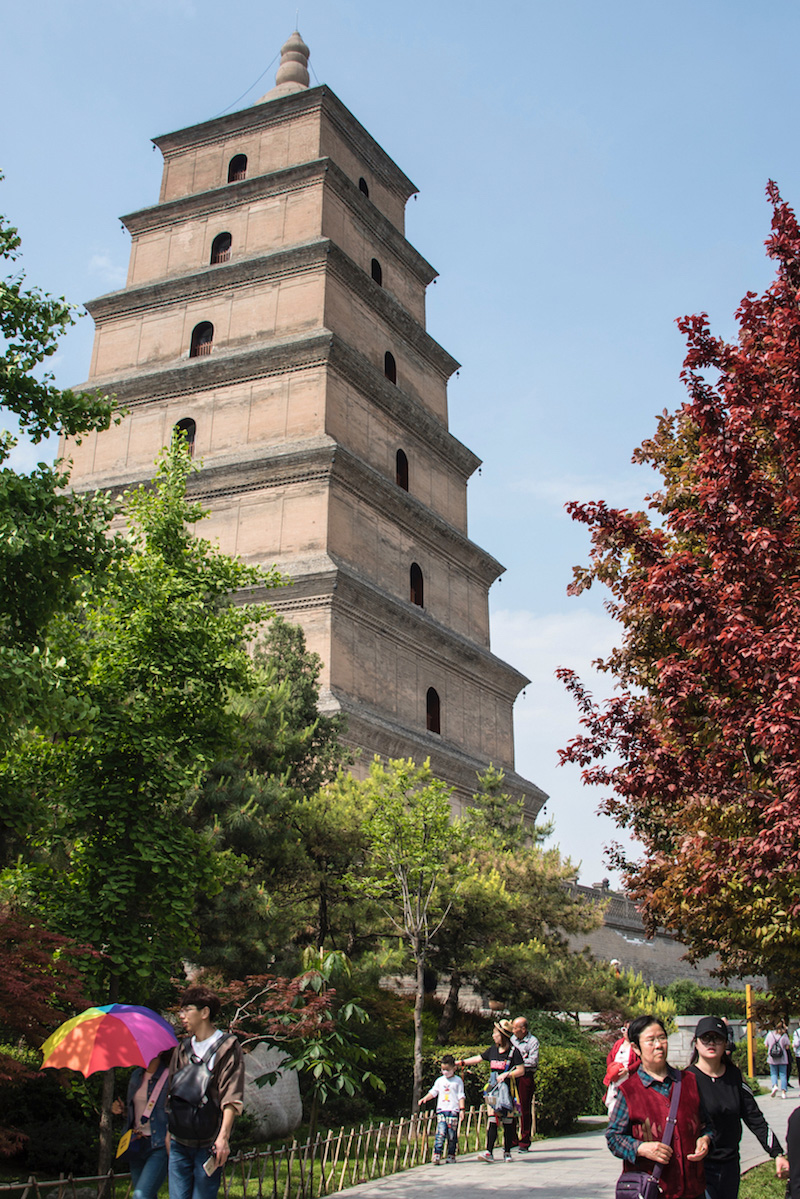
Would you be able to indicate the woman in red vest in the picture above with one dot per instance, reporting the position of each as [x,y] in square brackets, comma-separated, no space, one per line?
[638,1118]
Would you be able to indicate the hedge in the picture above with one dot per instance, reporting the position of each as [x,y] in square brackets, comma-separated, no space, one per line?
[563,1082]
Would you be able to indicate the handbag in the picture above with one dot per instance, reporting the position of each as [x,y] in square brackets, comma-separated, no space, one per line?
[498,1096]
[636,1184]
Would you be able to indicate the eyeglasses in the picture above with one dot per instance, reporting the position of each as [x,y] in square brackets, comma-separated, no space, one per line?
[663,1040]
[712,1038]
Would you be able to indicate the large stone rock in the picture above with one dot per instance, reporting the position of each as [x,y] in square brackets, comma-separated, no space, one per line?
[277,1109]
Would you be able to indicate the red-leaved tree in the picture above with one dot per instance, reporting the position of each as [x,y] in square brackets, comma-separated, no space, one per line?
[40,986]
[699,749]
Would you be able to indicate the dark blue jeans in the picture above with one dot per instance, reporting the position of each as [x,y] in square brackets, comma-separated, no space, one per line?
[446,1130]
[187,1178]
[148,1171]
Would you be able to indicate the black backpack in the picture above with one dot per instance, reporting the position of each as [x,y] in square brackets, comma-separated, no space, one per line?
[776,1051]
[192,1114]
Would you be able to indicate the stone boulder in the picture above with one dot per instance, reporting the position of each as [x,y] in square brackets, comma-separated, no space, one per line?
[277,1109]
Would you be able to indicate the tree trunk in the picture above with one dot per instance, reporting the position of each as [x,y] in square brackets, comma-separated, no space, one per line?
[418,1002]
[106,1156]
[450,1009]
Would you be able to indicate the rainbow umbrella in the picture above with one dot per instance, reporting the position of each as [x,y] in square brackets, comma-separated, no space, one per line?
[117,1034]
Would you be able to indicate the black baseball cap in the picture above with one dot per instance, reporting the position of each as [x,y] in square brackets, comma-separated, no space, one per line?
[711,1024]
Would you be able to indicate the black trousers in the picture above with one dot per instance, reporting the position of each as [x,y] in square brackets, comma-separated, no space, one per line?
[722,1179]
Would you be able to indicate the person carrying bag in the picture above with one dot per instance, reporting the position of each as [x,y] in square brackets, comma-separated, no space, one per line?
[658,1125]
[635,1185]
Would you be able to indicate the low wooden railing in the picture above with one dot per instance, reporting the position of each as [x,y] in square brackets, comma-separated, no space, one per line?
[330,1163]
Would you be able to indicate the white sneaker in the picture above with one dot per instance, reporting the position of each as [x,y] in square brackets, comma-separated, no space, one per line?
[485,1156]
[783,1094]
[773,1092]
[437,1159]
[507,1157]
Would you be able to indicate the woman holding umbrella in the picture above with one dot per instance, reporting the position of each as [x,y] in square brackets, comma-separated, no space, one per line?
[123,1034]
[146,1120]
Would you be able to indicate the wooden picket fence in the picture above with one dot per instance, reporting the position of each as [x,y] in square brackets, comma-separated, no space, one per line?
[301,1170]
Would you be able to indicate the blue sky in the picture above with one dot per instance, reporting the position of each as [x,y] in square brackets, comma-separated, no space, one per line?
[588,173]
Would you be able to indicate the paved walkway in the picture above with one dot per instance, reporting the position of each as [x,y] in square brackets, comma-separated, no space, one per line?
[777,1112]
[574,1167]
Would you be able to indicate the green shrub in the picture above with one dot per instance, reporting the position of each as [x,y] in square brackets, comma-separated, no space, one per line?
[692,1000]
[761,1063]
[554,1032]
[62,1146]
[562,1084]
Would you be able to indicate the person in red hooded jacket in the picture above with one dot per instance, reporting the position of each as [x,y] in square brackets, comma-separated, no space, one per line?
[621,1062]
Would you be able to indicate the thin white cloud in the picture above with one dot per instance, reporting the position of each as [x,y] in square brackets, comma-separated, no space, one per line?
[546,719]
[102,266]
[627,492]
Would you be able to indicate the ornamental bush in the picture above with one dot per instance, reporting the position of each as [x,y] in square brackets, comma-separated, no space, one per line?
[563,1082]
[691,1000]
[760,1062]
[568,1082]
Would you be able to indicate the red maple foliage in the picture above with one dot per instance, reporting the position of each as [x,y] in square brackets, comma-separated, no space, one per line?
[700,745]
[268,1007]
[40,983]
[40,987]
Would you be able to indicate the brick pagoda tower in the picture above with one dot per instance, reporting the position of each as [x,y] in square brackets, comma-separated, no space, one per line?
[275,311]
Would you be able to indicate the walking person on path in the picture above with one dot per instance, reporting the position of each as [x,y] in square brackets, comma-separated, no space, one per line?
[146,1118]
[639,1115]
[528,1045]
[777,1044]
[448,1091]
[729,1102]
[505,1062]
[621,1061]
[205,1094]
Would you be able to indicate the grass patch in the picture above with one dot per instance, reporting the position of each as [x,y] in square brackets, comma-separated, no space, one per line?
[761,1183]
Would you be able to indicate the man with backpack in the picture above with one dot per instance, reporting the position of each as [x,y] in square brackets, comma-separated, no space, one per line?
[205,1093]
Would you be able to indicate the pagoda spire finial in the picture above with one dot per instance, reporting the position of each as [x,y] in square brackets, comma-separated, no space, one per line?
[292,74]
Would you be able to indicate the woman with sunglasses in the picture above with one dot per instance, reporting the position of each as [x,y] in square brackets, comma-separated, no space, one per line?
[638,1118]
[728,1101]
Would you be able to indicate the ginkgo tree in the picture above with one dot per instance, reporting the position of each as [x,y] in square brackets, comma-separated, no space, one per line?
[50,538]
[699,749]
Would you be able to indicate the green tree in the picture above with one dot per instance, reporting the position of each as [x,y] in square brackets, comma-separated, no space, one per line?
[154,652]
[50,539]
[262,808]
[506,931]
[408,841]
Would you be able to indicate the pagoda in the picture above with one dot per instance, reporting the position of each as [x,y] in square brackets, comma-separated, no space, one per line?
[275,312]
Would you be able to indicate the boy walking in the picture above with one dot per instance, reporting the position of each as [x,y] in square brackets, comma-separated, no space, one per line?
[205,1094]
[448,1091]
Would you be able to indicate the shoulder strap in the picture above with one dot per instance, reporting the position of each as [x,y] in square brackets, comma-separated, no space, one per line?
[214,1047]
[669,1127]
[154,1094]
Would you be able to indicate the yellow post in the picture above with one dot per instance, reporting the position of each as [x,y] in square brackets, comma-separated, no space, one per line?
[751,1032]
